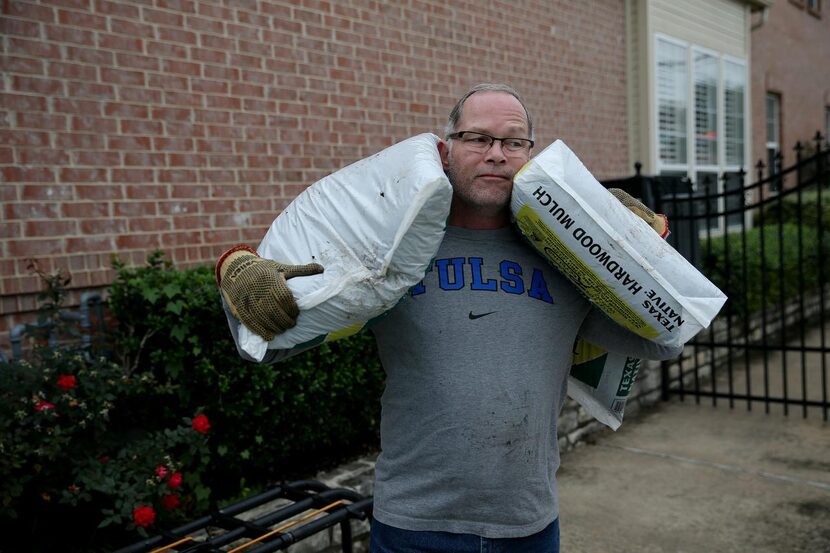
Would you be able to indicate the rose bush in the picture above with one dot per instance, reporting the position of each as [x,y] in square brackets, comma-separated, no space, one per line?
[80,466]
[89,437]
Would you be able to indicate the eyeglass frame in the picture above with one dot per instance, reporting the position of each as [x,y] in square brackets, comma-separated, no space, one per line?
[493,139]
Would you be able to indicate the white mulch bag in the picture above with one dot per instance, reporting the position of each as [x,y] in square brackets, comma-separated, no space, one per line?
[618,262]
[613,256]
[600,382]
[374,226]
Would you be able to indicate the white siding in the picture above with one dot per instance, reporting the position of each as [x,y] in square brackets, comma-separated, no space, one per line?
[719,25]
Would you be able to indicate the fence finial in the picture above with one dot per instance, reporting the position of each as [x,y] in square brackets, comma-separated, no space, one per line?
[760,168]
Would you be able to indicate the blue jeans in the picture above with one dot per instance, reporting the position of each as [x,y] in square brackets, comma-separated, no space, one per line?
[386,539]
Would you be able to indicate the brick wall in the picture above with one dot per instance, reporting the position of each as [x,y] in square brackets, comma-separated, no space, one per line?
[188,125]
[791,56]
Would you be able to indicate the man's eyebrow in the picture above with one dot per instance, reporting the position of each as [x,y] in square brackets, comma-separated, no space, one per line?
[513,132]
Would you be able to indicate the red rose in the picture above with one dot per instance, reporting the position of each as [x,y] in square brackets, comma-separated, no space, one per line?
[170,501]
[201,424]
[66,382]
[144,516]
[44,406]
[175,481]
[161,471]
[103,459]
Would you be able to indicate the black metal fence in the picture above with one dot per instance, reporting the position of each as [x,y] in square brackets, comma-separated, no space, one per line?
[766,245]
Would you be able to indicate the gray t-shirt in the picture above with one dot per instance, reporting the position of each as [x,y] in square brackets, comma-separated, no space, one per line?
[476,359]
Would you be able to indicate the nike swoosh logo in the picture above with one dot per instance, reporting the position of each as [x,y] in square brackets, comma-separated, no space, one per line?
[474,317]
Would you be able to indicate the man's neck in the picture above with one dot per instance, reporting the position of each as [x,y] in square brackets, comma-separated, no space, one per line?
[477,219]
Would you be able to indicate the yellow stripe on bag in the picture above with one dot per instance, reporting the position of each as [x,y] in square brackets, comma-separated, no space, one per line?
[344,332]
[577,271]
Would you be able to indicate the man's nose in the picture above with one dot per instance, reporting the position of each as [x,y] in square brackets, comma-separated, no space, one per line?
[495,152]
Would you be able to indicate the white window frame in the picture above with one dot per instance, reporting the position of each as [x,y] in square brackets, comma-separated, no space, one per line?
[692,168]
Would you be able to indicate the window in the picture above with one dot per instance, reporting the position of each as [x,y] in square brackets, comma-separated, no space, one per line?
[734,96]
[706,109]
[773,130]
[672,102]
[701,122]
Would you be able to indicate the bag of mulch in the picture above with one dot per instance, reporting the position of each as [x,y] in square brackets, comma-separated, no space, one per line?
[600,381]
[617,260]
[374,225]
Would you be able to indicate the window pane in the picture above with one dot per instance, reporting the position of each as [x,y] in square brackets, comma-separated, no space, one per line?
[706,109]
[734,199]
[672,101]
[773,118]
[707,185]
[734,88]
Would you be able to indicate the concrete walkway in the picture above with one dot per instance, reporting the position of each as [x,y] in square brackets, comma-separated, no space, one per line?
[690,478]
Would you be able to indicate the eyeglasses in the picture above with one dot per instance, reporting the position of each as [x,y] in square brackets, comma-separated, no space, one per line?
[480,142]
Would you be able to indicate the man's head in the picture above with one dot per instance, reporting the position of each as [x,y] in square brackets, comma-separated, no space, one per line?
[479,164]
[458,108]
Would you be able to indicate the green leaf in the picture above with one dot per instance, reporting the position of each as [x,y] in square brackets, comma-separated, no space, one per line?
[171,290]
[150,294]
[178,332]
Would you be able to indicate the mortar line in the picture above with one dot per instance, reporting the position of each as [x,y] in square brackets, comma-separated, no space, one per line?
[730,468]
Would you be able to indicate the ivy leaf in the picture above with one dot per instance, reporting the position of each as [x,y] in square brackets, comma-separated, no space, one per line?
[150,294]
[178,333]
[171,290]
[175,307]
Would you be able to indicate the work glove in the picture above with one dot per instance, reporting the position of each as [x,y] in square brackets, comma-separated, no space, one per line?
[657,221]
[256,290]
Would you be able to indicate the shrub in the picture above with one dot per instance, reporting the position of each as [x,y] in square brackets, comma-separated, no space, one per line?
[270,423]
[787,210]
[756,283]
[73,462]
[95,447]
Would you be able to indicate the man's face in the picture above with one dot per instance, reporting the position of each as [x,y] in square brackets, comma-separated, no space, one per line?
[484,180]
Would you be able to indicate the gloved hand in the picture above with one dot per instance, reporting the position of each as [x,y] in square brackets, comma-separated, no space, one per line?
[256,290]
[657,221]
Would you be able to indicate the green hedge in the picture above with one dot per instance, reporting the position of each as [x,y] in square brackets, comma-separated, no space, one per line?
[271,422]
[771,277]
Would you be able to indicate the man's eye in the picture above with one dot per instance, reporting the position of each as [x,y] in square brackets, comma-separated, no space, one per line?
[514,144]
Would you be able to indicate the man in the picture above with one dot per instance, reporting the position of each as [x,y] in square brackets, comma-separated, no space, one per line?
[476,358]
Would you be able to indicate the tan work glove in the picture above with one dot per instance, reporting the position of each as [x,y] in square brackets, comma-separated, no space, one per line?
[657,221]
[256,290]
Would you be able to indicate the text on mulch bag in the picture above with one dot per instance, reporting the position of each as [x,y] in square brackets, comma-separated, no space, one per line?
[659,309]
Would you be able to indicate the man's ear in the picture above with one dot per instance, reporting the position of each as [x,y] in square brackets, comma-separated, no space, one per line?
[444,152]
